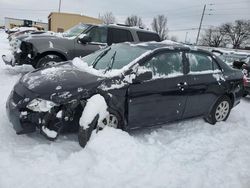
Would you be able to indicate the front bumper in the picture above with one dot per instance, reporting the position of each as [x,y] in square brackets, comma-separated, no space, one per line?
[19,121]
[8,60]
[27,121]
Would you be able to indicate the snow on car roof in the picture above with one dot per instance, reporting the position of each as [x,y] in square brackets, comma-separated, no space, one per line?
[157,45]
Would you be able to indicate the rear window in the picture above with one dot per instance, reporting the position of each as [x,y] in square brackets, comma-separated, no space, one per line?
[120,35]
[145,36]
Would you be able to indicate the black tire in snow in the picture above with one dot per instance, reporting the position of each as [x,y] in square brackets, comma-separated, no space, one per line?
[84,134]
[211,118]
[43,61]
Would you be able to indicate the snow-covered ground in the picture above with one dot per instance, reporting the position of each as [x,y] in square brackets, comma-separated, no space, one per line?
[189,154]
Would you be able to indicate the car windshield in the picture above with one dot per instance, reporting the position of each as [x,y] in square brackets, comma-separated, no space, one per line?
[75,31]
[114,57]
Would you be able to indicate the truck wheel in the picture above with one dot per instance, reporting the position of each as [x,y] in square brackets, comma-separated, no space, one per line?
[220,110]
[110,120]
[48,60]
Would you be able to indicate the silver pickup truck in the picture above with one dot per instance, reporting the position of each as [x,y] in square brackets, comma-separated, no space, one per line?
[39,50]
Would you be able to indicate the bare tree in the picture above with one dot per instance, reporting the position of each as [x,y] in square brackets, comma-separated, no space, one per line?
[214,37]
[134,21]
[237,33]
[107,18]
[159,25]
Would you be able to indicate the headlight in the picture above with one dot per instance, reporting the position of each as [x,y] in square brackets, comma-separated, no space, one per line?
[40,105]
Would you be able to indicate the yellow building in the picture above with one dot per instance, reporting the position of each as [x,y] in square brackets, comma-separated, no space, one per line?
[60,22]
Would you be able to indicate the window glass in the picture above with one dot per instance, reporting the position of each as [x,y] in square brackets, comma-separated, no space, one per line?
[120,35]
[120,54]
[201,63]
[165,64]
[98,34]
[76,30]
[145,36]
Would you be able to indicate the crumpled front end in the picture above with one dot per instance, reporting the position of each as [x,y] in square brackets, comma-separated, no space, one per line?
[21,53]
[27,116]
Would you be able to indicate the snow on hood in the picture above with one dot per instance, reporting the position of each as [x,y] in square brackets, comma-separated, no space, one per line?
[83,66]
[23,29]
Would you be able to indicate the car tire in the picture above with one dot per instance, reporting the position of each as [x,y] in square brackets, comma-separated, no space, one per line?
[220,110]
[47,60]
[84,134]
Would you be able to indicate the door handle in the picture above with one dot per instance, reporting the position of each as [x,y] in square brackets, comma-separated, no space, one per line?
[182,85]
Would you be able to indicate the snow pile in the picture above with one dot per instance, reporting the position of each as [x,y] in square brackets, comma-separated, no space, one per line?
[80,64]
[96,105]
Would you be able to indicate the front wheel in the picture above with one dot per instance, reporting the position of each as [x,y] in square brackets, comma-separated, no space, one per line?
[48,60]
[220,110]
[111,120]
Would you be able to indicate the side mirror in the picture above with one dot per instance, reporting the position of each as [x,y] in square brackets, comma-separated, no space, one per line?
[237,64]
[144,76]
[84,39]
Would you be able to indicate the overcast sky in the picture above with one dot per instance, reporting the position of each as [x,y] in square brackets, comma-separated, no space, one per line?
[183,15]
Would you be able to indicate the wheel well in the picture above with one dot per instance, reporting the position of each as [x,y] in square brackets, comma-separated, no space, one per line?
[231,96]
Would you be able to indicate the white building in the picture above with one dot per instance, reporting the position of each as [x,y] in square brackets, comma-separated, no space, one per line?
[15,22]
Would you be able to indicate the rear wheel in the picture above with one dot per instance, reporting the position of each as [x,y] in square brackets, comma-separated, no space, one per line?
[48,60]
[111,120]
[220,110]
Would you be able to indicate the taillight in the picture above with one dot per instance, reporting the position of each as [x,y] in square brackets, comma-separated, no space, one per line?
[244,80]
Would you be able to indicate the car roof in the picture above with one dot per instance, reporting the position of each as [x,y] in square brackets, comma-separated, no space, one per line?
[163,45]
[122,26]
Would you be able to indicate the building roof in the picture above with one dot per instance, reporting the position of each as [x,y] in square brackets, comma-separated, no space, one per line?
[24,19]
[71,14]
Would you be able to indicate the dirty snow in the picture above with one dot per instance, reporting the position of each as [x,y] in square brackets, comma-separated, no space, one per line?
[96,105]
[189,154]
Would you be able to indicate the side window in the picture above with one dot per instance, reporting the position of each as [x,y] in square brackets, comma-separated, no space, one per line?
[201,63]
[120,35]
[145,36]
[165,64]
[98,34]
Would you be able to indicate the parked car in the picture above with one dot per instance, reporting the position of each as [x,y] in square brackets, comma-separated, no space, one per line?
[141,85]
[229,56]
[81,40]
[21,32]
[244,65]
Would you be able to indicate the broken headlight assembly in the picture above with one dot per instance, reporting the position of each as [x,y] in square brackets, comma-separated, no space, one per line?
[41,105]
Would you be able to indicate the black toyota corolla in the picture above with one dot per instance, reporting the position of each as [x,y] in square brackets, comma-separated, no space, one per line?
[126,86]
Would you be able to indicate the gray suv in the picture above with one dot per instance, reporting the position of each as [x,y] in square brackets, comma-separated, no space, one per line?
[40,50]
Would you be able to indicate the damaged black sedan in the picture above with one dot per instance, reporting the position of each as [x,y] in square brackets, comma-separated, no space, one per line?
[126,86]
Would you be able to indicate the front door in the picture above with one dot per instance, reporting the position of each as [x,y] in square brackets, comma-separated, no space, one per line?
[161,99]
[98,36]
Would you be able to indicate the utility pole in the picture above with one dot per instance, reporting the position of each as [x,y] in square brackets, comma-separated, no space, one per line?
[59,9]
[186,37]
[202,16]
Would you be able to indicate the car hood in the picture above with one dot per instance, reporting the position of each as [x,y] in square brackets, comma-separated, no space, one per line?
[44,36]
[61,82]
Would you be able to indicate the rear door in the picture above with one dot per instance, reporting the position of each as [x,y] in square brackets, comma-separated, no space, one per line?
[98,37]
[146,36]
[117,35]
[205,83]
[161,99]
